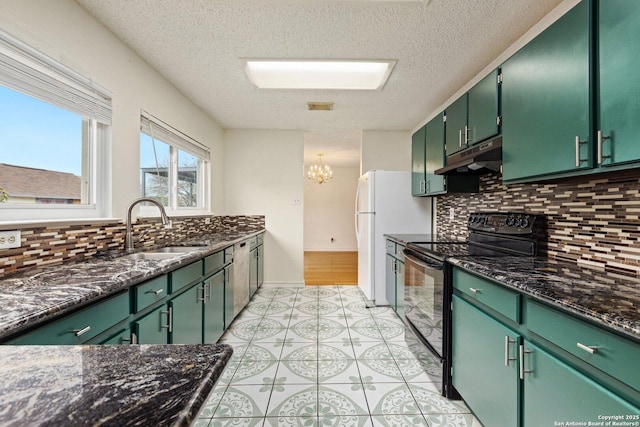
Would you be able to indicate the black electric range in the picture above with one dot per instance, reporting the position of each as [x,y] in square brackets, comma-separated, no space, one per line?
[428,282]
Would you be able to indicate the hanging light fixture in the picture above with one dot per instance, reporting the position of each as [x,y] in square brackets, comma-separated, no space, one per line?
[319,173]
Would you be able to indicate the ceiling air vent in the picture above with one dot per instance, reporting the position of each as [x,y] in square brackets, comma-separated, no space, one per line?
[319,106]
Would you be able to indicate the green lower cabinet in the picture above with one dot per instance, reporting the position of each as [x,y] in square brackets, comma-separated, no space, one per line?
[186,316]
[484,365]
[555,392]
[153,328]
[123,337]
[213,308]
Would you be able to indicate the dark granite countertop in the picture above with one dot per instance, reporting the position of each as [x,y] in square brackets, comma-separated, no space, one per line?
[607,298]
[107,385]
[403,239]
[44,293]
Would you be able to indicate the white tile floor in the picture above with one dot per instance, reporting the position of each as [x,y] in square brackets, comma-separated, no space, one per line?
[316,356]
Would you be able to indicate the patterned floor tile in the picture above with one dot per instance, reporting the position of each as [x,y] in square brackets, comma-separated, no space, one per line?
[213,400]
[379,371]
[332,351]
[452,420]
[344,421]
[201,422]
[297,372]
[233,422]
[255,373]
[394,400]
[245,401]
[294,401]
[372,350]
[399,421]
[291,422]
[269,336]
[338,372]
[365,334]
[300,351]
[341,399]
[227,373]
[261,352]
[431,402]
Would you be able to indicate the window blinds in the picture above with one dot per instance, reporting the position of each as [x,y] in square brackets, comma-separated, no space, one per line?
[158,129]
[24,69]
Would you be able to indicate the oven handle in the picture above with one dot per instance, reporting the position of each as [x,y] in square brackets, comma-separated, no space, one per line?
[411,256]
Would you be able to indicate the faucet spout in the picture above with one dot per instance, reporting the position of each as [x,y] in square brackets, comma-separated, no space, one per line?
[128,236]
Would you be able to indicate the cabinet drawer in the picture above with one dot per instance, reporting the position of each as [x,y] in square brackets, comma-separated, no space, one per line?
[228,255]
[149,292]
[497,297]
[185,276]
[81,326]
[612,353]
[214,262]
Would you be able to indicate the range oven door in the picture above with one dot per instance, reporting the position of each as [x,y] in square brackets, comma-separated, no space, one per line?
[424,298]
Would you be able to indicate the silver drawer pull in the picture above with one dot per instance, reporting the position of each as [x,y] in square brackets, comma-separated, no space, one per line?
[475,291]
[78,332]
[507,343]
[591,349]
[156,292]
[523,370]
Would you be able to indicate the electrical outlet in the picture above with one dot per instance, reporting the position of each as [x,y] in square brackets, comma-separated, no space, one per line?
[207,220]
[452,214]
[10,239]
[296,201]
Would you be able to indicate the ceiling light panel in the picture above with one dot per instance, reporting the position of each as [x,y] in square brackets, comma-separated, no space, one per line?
[318,74]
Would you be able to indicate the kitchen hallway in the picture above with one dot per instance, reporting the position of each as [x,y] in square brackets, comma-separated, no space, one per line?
[316,356]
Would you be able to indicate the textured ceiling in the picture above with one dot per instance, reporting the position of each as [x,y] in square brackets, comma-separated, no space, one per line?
[439,45]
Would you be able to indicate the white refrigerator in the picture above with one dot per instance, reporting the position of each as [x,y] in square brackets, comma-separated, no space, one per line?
[384,205]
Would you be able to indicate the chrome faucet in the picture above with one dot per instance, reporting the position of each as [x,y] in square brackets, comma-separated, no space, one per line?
[128,239]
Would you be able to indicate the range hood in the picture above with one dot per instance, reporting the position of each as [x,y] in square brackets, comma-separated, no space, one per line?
[479,159]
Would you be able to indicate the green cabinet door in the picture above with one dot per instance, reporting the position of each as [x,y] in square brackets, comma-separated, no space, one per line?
[228,296]
[213,308]
[483,109]
[154,327]
[456,125]
[123,337]
[434,155]
[554,392]
[480,349]
[619,62]
[186,316]
[418,162]
[545,101]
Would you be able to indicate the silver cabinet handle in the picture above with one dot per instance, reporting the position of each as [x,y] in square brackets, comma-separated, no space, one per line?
[591,349]
[578,144]
[134,339]
[460,138]
[204,293]
[156,292]
[467,137]
[209,296]
[524,371]
[601,139]
[169,320]
[507,344]
[78,332]
[475,291]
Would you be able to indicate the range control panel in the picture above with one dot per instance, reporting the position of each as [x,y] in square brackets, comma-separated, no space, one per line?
[503,222]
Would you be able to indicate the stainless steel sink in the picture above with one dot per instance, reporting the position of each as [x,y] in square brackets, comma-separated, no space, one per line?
[175,249]
[150,255]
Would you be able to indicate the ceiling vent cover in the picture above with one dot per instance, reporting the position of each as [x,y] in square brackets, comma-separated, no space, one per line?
[319,106]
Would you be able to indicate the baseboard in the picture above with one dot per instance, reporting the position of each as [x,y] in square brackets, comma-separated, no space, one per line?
[283,285]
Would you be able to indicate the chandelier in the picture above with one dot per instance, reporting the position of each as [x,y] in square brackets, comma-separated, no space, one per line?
[319,173]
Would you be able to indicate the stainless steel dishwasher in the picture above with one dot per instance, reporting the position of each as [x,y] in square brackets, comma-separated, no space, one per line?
[241,267]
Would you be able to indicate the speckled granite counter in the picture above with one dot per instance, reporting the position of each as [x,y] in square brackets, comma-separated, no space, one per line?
[38,295]
[107,385]
[610,299]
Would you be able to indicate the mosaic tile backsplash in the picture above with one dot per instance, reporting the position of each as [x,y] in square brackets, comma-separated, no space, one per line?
[54,245]
[591,221]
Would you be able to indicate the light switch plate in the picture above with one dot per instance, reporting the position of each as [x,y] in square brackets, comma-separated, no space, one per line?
[9,239]
[452,214]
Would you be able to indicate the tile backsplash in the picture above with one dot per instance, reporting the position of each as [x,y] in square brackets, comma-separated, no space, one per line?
[591,220]
[56,244]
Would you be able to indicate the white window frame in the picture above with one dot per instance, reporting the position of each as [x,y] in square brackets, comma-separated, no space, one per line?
[165,133]
[29,71]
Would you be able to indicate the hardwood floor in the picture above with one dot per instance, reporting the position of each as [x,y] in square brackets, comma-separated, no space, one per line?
[331,268]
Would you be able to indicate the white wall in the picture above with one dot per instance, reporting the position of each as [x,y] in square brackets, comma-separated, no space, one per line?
[329,210]
[385,150]
[263,176]
[68,34]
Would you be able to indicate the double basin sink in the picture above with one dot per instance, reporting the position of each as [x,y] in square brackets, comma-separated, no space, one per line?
[162,253]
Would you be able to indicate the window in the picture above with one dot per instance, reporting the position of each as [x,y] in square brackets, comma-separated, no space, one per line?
[52,120]
[173,167]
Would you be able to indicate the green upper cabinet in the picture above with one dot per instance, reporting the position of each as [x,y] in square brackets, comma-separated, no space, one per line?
[619,81]
[456,118]
[418,170]
[546,101]
[483,115]
[473,117]
[427,156]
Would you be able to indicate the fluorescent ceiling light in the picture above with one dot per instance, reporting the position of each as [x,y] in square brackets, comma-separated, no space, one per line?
[318,74]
